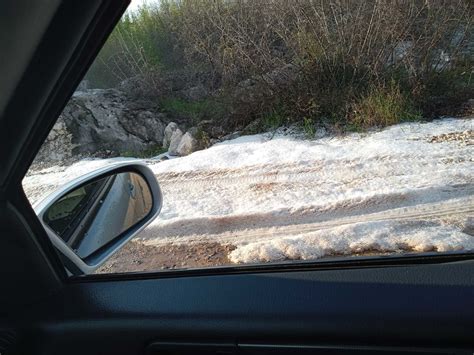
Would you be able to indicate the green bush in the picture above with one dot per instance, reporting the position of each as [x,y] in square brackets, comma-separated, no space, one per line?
[308,127]
[194,111]
[384,106]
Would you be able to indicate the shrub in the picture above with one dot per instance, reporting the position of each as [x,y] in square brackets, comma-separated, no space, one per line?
[444,92]
[194,111]
[274,119]
[308,127]
[384,106]
[339,62]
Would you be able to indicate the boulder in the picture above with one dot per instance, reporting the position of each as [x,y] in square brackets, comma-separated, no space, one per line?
[175,141]
[187,145]
[169,130]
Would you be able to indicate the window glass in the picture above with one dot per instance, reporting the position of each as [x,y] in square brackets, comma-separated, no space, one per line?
[278,131]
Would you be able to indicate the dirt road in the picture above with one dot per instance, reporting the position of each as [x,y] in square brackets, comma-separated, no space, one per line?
[408,188]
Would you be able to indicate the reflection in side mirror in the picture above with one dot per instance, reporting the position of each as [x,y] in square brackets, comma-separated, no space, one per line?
[93,215]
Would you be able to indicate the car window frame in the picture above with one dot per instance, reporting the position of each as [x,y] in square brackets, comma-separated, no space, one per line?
[94,43]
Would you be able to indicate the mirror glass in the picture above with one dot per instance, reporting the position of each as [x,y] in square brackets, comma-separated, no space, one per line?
[94,214]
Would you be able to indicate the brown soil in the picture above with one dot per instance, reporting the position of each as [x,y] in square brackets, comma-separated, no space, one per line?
[136,256]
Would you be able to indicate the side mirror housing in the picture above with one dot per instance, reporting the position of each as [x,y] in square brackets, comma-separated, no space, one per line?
[95,215]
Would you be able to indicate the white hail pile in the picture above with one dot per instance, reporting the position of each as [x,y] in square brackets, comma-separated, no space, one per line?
[279,197]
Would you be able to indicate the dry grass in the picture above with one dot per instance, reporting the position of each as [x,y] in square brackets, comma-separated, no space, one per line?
[327,61]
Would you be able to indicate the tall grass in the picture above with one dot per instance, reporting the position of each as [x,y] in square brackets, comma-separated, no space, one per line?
[384,106]
[194,111]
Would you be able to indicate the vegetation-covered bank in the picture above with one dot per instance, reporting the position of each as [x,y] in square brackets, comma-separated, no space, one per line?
[259,64]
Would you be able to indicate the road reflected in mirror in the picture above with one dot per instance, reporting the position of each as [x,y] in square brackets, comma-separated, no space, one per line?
[93,215]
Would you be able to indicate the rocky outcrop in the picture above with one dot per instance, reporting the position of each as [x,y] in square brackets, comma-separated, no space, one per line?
[111,122]
[58,145]
[98,121]
[184,144]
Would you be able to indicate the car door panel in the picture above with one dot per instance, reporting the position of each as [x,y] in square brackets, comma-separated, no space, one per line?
[418,307]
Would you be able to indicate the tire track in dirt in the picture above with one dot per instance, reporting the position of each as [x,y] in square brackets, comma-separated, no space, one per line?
[306,170]
[404,199]
[253,227]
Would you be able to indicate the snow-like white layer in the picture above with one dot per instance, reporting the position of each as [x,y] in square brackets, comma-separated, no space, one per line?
[409,139]
[372,237]
[256,174]
[260,181]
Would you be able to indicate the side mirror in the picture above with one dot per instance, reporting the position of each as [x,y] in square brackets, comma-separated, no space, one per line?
[93,216]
